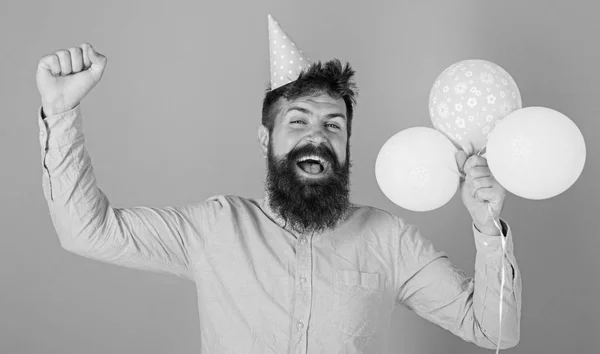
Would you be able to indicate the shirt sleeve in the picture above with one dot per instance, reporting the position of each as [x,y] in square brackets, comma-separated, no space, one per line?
[436,290]
[162,240]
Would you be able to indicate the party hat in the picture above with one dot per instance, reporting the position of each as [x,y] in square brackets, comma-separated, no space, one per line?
[287,60]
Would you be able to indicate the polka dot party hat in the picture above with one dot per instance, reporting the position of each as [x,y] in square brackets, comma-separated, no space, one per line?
[287,60]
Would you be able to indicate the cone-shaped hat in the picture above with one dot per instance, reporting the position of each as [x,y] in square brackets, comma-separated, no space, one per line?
[287,60]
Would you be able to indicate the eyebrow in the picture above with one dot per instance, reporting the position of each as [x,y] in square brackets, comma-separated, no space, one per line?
[308,112]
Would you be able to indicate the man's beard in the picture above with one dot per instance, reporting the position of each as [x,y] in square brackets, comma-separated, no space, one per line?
[308,205]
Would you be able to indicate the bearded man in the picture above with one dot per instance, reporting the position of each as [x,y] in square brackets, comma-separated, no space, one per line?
[301,270]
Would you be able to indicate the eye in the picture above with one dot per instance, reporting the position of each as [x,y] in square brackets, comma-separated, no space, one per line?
[297,121]
[333,125]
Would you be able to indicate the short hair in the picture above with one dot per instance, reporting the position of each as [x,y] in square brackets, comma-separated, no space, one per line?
[331,77]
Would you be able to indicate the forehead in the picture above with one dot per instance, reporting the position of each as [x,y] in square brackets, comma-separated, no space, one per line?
[318,104]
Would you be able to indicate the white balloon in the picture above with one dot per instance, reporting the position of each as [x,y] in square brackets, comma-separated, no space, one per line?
[416,169]
[536,153]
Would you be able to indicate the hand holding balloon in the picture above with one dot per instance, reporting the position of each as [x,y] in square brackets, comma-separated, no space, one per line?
[481,194]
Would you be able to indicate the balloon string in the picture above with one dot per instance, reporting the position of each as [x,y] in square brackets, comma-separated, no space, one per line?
[502,238]
[502,281]
[503,275]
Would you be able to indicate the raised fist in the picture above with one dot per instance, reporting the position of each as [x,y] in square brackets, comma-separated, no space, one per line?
[65,77]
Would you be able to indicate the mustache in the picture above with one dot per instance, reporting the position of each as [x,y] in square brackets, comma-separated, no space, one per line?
[319,150]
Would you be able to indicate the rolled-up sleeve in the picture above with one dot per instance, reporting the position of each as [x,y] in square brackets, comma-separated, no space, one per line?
[435,289]
[153,239]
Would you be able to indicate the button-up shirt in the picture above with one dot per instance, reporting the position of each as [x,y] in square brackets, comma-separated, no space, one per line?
[261,287]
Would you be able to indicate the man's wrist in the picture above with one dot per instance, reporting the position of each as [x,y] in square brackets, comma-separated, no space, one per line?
[490,230]
[51,109]
[49,112]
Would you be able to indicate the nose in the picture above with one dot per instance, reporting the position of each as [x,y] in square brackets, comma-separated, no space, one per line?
[316,136]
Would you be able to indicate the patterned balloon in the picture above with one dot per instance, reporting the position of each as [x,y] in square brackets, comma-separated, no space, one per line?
[469,99]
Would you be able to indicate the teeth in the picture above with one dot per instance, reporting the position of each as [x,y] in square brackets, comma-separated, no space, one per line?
[313,157]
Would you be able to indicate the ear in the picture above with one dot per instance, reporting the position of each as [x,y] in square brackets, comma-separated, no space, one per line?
[263,140]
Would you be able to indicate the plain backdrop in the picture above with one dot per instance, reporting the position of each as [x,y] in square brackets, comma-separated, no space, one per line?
[174,121]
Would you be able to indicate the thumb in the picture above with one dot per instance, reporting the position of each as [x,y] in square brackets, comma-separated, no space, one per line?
[97,60]
[461,158]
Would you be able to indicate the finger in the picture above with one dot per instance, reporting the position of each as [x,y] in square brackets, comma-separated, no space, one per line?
[98,62]
[486,195]
[65,61]
[461,158]
[76,59]
[95,57]
[478,172]
[475,161]
[480,183]
[86,58]
[51,64]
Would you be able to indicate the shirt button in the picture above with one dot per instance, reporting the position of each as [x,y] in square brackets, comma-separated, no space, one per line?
[303,241]
[300,325]
[302,280]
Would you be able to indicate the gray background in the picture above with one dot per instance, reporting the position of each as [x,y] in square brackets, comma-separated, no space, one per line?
[174,121]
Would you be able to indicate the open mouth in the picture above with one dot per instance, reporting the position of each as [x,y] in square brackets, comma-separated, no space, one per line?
[312,165]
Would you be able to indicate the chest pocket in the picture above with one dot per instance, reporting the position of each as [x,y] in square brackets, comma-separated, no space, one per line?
[357,301]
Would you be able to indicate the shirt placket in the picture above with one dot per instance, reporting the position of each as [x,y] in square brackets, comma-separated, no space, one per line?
[303,290]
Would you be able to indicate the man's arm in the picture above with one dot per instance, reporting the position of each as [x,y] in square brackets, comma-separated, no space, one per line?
[160,240]
[468,307]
